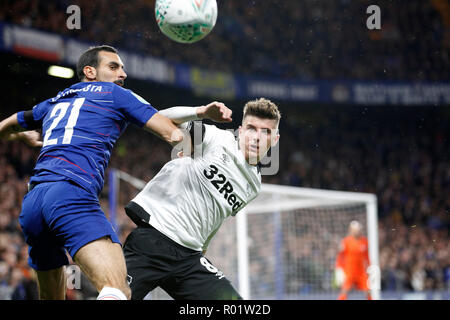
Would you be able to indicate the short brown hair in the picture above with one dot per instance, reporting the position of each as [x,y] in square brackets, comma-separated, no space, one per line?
[262,108]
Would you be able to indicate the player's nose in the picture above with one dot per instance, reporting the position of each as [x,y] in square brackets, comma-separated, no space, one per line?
[258,135]
[122,74]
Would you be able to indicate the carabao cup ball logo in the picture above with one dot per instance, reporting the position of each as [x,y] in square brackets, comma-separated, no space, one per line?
[186,21]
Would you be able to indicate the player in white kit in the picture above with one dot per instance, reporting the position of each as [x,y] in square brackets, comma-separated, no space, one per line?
[182,207]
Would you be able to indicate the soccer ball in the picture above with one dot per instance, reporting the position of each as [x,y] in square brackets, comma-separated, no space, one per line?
[186,21]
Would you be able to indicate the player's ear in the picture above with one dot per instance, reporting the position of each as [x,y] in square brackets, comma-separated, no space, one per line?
[90,73]
[275,140]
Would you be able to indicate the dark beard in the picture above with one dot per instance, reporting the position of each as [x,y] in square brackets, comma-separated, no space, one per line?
[119,82]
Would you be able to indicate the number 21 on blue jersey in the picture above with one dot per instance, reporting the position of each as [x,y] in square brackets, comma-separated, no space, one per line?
[58,112]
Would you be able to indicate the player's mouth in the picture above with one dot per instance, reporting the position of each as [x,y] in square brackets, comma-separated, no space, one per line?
[119,82]
[253,148]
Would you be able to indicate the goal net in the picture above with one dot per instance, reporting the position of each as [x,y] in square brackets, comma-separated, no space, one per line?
[284,244]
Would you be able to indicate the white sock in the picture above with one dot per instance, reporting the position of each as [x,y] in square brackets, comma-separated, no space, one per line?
[109,293]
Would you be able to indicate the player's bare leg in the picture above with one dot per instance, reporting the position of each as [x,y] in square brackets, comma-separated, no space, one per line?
[102,261]
[52,284]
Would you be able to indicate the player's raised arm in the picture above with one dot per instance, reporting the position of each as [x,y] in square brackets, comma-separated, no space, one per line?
[181,116]
[10,129]
[164,128]
[215,111]
[140,112]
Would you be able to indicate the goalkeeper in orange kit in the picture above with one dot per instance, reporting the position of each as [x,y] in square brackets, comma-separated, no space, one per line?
[353,261]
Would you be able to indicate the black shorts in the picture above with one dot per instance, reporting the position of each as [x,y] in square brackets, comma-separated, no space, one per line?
[155,260]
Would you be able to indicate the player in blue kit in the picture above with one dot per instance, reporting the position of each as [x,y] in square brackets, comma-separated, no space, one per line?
[61,211]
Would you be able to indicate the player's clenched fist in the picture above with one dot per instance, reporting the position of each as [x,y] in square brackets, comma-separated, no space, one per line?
[31,138]
[216,111]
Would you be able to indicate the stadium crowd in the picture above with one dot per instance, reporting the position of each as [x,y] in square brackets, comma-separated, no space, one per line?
[311,40]
[401,160]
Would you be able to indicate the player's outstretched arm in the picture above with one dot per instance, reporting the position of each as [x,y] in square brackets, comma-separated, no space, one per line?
[164,128]
[215,111]
[181,115]
[11,130]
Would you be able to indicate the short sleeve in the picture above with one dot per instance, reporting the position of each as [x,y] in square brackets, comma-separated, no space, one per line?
[21,119]
[40,110]
[32,119]
[135,108]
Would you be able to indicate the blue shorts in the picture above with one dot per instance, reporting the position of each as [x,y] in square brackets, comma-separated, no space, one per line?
[57,216]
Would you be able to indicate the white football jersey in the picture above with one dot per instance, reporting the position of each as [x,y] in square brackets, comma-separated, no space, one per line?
[190,197]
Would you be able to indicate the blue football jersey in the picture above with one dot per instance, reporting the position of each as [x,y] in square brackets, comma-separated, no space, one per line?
[80,127]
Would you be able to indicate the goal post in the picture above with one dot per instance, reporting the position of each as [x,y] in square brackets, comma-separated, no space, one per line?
[284,244]
[306,203]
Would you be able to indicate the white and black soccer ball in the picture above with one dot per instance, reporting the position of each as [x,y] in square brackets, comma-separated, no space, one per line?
[186,21]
